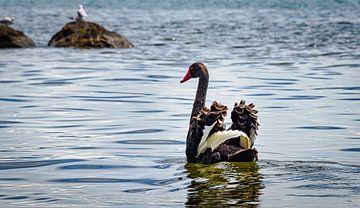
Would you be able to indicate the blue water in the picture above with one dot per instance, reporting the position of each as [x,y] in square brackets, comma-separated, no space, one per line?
[107,128]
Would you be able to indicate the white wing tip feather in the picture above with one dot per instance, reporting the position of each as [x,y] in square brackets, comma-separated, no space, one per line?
[220,137]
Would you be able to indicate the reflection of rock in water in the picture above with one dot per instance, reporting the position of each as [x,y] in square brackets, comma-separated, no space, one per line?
[225,184]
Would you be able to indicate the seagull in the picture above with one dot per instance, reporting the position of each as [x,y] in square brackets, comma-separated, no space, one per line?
[81,13]
[7,20]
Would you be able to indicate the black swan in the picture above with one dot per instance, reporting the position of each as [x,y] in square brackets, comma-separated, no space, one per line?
[208,141]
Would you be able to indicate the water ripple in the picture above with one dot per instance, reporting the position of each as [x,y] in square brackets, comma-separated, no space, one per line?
[139,190]
[346,88]
[12,179]
[301,97]
[119,99]
[351,150]
[350,99]
[321,127]
[99,166]
[151,142]
[260,94]
[32,164]
[317,195]
[53,83]
[9,81]
[141,131]
[7,124]
[147,181]
[15,198]
[13,100]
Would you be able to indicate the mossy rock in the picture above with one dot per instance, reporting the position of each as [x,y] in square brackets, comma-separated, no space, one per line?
[11,38]
[82,34]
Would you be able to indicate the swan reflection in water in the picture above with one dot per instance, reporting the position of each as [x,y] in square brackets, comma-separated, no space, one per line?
[227,184]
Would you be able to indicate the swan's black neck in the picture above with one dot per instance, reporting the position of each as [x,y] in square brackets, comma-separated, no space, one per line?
[200,97]
[193,137]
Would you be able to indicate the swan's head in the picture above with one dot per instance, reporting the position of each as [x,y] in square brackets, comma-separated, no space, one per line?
[195,70]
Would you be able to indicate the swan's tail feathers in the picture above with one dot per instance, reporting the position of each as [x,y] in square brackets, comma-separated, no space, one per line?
[244,118]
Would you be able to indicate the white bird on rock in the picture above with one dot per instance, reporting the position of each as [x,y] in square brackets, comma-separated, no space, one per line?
[81,13]
[7,20]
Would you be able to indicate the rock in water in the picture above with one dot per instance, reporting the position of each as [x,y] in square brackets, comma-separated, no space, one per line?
[83,34]
[11,38]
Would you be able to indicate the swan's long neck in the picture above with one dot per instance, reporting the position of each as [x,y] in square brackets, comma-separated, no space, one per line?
[200,97]
[193,139]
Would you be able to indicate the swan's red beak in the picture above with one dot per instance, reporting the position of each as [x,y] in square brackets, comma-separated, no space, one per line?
[186,77]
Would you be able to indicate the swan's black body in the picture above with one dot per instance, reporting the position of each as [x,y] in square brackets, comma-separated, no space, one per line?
[243,116]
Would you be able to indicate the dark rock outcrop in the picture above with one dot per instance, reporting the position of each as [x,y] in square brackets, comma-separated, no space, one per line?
[11,38]
[82,34]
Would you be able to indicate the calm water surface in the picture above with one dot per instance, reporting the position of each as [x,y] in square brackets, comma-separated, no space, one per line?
[98,128]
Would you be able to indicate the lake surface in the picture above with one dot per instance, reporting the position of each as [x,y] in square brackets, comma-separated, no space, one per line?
[107,128]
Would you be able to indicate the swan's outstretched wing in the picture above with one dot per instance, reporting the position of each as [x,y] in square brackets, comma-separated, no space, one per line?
[244,118]
[216,114]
